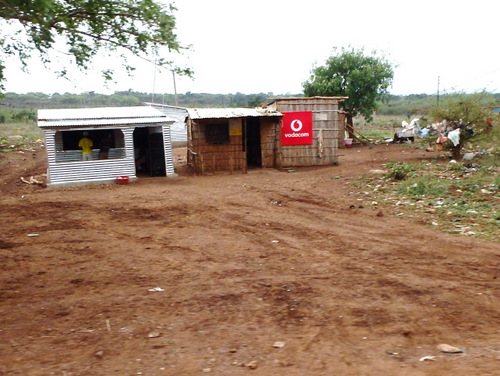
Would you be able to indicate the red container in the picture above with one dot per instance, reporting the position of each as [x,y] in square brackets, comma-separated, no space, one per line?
[348,142]
[122,179]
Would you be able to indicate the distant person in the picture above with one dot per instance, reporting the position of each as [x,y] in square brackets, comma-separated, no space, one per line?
[86,145]
[105,144]
[489,126]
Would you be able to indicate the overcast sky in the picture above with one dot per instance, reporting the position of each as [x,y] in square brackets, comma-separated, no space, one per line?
[271,46]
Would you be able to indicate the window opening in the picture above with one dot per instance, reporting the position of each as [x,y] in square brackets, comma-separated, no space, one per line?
[217,133]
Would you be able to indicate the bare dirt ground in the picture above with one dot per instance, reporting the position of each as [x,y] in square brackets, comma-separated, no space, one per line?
[267,273]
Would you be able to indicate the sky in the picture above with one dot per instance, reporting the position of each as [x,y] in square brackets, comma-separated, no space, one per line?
[271,46]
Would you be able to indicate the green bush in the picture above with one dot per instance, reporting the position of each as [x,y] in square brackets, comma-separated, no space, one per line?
[399,171]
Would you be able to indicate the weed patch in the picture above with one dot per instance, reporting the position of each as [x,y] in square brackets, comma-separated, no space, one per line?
[453,197]
[399,171]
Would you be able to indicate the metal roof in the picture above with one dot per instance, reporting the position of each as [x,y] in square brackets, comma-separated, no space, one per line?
[227,113]
[166,106]
[178,131]
[78,117]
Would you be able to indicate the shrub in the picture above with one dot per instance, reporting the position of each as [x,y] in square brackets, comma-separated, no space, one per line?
[399,171]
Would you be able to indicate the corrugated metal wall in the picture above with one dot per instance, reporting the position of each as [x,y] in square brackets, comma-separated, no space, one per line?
[178,130]
[167,146]
[76,155]
[72,172]
[65,167]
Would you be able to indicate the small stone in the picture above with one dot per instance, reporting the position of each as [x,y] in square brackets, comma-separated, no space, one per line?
[279,344]
[154,335]
[156,289]
[252,364]
[99,354]
[449,349]
[207,370]
[378,172]
[427,357]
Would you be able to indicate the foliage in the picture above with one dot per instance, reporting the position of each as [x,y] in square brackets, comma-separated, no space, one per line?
[464,112]
[363,79]
[418,105]
[451,197]
[468,108]
[17,115]
[87,27]
[399,171]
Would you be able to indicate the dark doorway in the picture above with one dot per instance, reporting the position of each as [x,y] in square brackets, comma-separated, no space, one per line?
[149,151]
[254,152]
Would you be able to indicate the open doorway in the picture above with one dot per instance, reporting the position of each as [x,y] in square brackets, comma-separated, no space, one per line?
[149,151]
[253,147]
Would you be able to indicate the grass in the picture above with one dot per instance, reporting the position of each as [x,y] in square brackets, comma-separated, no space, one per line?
[14,135]
[424,186]
[29,130]
[380,128]
[467,204]
[461,198]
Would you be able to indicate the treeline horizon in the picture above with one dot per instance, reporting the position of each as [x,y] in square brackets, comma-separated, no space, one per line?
[20,107]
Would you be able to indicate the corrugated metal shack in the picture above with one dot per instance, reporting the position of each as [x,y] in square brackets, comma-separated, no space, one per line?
[178,131]
[232,139]
[138,139]
[327,129]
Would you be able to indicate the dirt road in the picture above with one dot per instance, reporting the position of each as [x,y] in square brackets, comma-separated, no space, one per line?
[267,273]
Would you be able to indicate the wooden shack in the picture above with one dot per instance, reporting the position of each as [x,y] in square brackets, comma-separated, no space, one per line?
[138,139]
[232,139]
[313,129]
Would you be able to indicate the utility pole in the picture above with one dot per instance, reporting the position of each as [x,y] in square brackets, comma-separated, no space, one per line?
[175,89]
[438,93]
[154,84]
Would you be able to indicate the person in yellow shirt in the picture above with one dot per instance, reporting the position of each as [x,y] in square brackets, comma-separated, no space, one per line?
[86,144]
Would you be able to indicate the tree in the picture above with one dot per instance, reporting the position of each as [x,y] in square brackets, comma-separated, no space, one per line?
[87,27]
[363,79]
[465,112]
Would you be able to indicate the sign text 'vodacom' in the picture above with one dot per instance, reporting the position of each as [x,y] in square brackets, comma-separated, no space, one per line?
[296,128]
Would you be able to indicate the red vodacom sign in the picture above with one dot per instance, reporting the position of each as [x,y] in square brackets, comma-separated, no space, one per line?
[297,128]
